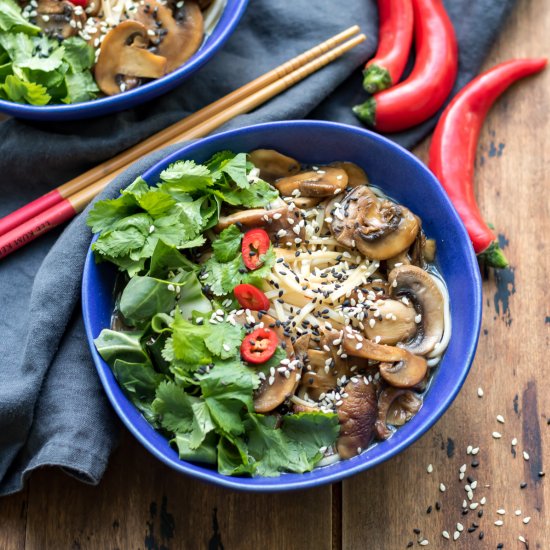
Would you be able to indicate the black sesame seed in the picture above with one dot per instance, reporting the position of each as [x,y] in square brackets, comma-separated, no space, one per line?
[475,463]
[410,543]
[429,510]
[465,511]
[438,505]
[470,479]
[522,485]
[480,514]
[500,545]
[481,535]
[416,531]
[471,529]
[542,474]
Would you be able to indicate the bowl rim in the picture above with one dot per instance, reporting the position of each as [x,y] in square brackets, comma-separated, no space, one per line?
[304,481]
[232,13]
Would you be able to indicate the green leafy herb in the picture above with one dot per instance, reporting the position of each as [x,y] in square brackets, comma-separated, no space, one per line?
[228,244]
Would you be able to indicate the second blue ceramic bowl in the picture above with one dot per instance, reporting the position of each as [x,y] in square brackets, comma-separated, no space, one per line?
[231,15]
[404,178]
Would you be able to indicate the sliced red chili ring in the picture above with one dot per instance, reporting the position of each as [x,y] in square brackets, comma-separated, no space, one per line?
[251,297]
[259,346]
[255,243]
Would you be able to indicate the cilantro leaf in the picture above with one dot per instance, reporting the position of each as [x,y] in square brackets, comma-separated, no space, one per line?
[222,278]
[12,20]
[106,213]
[185,176]
[166,257]
[228,244]
[258,194]
[202,423]
[20,91]
[224,340]
[233,165]
[80,87]
[206,453]
[174,407]
[78,54]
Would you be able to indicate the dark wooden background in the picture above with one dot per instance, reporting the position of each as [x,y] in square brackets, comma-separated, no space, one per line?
[142,504]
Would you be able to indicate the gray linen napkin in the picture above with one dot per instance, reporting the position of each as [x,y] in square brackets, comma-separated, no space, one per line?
[52,408]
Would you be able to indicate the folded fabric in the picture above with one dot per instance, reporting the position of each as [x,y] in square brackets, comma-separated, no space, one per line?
[52,407]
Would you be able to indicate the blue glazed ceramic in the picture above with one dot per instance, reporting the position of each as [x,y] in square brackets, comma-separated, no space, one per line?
[402,177]
[231,15]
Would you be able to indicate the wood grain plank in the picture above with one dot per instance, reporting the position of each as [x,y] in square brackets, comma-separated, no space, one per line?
[142,504]
[382,507]
[13,520]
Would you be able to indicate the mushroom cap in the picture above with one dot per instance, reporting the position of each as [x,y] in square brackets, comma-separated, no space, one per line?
[177,35]
[394,322]
[59,14]
[272,221]
[356,175]
[357,416]
[272,164]
[418,286]
[324,182]
[379,229]
[269,396]
[395,407]
[121,54]
[398,367]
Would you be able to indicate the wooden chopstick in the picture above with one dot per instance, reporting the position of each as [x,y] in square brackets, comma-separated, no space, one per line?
[108,167]
[68,207]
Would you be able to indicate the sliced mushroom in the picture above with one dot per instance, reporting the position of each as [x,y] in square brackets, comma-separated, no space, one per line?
[392,321]
[314,183]
[273,165]
[398,367]
[419,287]
[269,396]
[175,35]
[356,175]
[357,416]
[273,221]
[379,229]
[123,53]
[59,19]
[395,261]
[395,407]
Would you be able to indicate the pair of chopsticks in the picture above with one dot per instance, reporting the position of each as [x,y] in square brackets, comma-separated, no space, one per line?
[67,200]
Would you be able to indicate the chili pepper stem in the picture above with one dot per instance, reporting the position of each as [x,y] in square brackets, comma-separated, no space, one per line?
[493,256]
[376,79]
[366,112]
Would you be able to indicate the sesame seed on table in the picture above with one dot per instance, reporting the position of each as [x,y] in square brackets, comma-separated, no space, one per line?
[495,492]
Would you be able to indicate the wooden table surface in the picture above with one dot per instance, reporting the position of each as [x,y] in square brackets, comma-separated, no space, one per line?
[143,504]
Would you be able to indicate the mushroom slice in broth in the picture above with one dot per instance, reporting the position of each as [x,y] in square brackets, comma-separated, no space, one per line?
[378,228]
[417,285]
[324,182]
[273,165]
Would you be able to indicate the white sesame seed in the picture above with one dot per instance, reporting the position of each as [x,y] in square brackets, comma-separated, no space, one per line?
[271,380]
[463,468]
[445,535]
[461,476]
[473,485]
[501,511]
[418,318]
[514,442]
[442,487]
[522,539]
[469,450]
[459,527]
[526,520]
[479,392]
[497,435]
[470,495]
[226,347]
[517,512]
[525,455]
[482,501]
[424,542]
[456,534]
[171,288]
[500,418]
[474,505]
[464,504]
[467,488]
[430,468]
[475,451]
[499,523]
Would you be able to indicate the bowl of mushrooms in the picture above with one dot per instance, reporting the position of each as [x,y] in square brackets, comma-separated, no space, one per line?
[75,59]
[348,317]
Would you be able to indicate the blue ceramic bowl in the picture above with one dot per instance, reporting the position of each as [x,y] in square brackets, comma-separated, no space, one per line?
[402,177]
[231,15]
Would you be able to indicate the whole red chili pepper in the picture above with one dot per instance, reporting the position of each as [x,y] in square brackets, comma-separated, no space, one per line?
[454,144]
[421,95]
[394,44]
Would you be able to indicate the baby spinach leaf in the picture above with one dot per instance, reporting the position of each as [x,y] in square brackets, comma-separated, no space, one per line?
[113,345]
